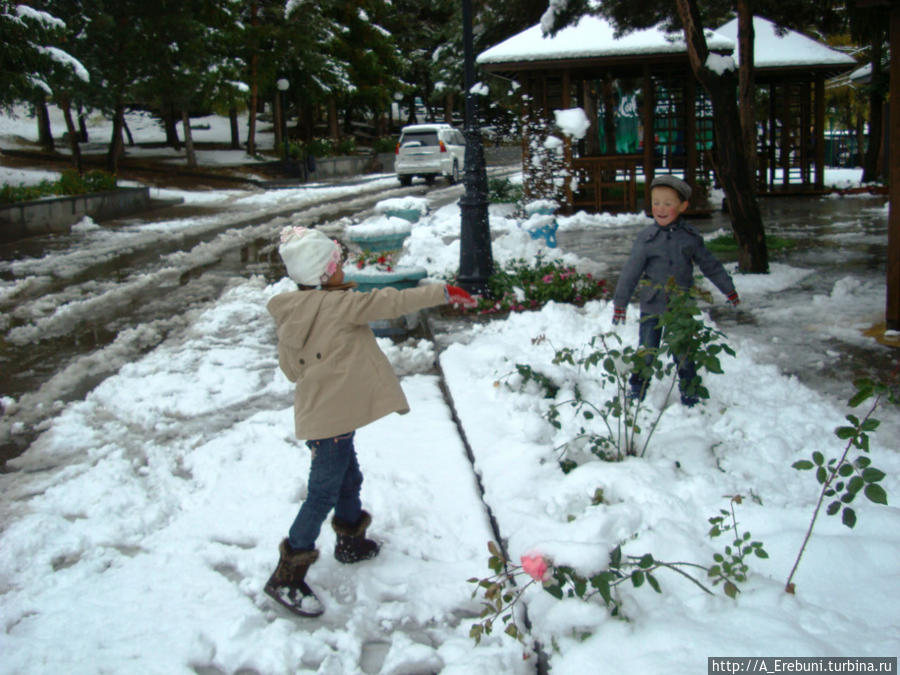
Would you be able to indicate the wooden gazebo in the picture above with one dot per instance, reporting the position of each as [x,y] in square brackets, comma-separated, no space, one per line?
[791,70]
[647,111]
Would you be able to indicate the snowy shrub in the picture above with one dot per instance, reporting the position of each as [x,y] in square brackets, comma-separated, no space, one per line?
[544,167]
[841,479]
[612,423]
[501,592]
[522,285]
[70,182]
[503,191]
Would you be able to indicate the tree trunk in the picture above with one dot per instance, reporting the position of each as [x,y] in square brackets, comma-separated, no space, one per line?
[254,85]
[448,108]
[45,133]
[276,119]
[127,131]
[730,161]
[333,130]
[82,127]
[171,127]
[747,83]
[188,140]
[116,146]
[876,110]
[66,106]
[235,132]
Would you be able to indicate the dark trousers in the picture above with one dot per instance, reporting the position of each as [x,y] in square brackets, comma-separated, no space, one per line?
[650,336]
[334,483]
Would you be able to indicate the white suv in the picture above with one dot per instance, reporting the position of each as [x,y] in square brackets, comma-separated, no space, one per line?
[429,150]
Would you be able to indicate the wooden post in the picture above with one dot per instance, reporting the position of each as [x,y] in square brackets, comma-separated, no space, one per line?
[647,115]
[786,131]
[567,142]
[892,315]
[805,124]
[773,158]
[820,131]
[690,129]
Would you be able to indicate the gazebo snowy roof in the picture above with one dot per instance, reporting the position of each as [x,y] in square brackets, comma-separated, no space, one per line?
[790,50]
[592,38]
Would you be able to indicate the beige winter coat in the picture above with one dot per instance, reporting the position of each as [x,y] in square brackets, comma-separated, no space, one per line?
[325,345]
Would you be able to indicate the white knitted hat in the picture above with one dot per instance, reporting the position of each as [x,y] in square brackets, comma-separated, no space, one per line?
[311,258]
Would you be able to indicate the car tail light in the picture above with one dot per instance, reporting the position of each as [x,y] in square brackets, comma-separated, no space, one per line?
[397,149]
[443,147]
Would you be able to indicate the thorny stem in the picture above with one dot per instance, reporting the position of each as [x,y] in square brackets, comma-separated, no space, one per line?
[658,417]
[788,586]
[672,566]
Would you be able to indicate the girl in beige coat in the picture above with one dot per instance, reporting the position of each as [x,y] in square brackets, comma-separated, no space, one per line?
[344,382]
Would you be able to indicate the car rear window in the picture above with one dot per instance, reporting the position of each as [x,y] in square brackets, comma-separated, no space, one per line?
[424,138]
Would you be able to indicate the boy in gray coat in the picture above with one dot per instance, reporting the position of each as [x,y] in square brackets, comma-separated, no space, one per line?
[665,250]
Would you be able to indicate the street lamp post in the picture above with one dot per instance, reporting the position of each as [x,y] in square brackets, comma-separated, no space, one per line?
[476,260]
[283,86]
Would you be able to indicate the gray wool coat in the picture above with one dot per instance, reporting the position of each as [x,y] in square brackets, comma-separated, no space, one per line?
[325,345]
[660,253]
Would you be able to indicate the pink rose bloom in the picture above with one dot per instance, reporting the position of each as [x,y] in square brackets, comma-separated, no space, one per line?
[547,278]
[536,567]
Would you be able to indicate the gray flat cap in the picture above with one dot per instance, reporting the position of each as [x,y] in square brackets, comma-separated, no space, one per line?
[670,181]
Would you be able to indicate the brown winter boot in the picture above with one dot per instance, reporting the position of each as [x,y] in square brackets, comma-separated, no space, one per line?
[287,587]
[352,545]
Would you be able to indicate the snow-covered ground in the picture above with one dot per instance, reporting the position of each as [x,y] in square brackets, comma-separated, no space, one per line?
[138,530]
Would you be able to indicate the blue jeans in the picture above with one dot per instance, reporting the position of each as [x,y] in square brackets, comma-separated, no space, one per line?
[650,336]
[334,483]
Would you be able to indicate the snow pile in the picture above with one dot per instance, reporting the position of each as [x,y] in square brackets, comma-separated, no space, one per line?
[661,503]
[142,526]
[408,203]
[376,227]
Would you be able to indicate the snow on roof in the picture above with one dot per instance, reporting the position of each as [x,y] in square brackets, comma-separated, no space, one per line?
[791,49]
[592,36]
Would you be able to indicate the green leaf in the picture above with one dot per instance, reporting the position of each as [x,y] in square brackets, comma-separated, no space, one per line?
[512,630]
[730,590]
[818,458]
[863,462]
[555,591]
[802,465]
[848,517]
[580,585]
[833,508]
[714,571]
[494,549]
[653,583]
[821,475]
[855,485]
[646,561]
[875,493]
[859,397]
[760,552]
[637,578]
[845,433]
[870,425]
[615,557]
[845,470]
[872,475]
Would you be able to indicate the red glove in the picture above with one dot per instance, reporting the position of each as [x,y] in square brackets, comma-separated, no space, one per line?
[733,299]
[618,315]
[458,296]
